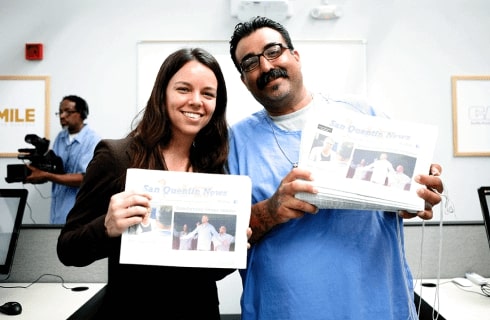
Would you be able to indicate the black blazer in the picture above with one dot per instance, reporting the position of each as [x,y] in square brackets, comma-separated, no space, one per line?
[132,290]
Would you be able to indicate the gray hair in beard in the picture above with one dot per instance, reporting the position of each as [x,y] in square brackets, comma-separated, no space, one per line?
[265,78]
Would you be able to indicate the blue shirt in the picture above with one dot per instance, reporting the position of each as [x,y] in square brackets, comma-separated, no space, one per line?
[76,156]
[336,264]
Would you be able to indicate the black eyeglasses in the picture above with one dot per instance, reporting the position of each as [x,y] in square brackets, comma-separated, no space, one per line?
[271,52]
[68,112]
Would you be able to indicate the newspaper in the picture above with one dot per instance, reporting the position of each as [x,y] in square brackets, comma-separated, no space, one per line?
[204,203]
[372,162]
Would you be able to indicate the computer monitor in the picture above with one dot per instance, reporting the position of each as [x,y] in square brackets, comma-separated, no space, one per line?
[484,195]
[12,205]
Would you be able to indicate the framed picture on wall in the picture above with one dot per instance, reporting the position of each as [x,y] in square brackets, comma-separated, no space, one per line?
[471,115]
[24,109]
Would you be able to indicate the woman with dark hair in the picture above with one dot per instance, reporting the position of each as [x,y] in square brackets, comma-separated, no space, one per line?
[182,128]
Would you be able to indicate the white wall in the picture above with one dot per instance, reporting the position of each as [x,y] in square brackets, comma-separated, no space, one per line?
[413,48]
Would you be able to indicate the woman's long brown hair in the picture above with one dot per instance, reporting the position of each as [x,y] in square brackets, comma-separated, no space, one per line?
[153,131]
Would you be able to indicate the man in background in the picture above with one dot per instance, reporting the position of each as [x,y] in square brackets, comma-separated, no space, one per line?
[223,241]
[324,152]
[400,179]
[382,170]
[75,145]
[205,232]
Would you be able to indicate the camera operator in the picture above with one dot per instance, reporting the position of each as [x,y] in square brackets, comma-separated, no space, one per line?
[75,145]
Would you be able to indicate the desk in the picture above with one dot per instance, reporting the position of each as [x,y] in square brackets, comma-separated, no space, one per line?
[52,300]
[455,302]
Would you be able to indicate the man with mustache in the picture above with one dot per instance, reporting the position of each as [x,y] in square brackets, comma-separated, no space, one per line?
[306,263]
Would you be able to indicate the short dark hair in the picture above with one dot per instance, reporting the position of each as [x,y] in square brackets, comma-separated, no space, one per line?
[244,29]
[80,105]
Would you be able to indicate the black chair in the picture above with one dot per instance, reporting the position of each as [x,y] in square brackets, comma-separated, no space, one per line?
[484,195]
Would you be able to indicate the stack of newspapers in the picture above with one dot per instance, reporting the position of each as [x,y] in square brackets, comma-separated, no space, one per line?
[363,162]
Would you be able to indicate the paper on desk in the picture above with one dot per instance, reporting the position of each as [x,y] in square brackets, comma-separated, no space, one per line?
[183,198]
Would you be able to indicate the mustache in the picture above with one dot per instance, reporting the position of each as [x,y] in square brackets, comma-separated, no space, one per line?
[267,77]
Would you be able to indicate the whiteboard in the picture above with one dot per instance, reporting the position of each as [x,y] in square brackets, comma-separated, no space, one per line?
[334,66]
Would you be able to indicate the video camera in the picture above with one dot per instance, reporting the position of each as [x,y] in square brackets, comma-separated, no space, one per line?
[39,157]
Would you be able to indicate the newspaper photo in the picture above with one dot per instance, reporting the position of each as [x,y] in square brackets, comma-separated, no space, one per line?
[196,220]
[365,162]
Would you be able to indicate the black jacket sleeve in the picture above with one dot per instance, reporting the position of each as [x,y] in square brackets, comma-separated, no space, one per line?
[83,240]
